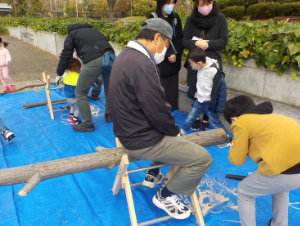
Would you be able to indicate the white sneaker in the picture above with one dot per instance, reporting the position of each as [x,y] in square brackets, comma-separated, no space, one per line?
[7,134]
[150,180]
[182,132]
[172,206]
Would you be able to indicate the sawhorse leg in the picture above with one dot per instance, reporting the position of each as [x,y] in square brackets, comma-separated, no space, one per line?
[123,179]
[47,88]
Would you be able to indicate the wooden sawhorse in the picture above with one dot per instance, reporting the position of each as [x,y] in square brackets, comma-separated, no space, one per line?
[122,179]
[46,80]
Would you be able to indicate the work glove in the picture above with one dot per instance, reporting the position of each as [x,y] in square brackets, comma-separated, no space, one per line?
[57,79]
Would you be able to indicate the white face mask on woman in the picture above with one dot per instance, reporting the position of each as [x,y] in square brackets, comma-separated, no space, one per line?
[168,9]
[205,10]
[159,57]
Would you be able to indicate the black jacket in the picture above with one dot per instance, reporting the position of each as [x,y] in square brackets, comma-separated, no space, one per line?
[140,116]
[217,35]
[88,42]
[166,68]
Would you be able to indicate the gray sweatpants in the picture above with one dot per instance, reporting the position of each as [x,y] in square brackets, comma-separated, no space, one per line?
[192,159]
[88,75]
[257,185]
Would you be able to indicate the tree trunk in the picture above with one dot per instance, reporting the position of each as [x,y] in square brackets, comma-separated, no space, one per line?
[111,4]
[103,158]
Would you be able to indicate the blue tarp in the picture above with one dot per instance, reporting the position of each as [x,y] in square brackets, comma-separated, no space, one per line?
[86,198]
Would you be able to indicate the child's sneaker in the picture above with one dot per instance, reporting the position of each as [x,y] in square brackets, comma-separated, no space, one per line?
[5,89]
[70,118]
[172,206]
[182,132]
[196,125]
[151,180]
[7,134]
[12,87]
[75,121]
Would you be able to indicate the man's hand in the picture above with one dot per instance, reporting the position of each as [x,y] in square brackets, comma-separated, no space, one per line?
[57,79]
[172,58]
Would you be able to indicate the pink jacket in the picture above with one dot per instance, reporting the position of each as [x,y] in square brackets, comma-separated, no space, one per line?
[5,57]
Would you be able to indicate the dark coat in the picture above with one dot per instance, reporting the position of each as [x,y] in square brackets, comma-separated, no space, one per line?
[140,116]
[169,71]
[88,42]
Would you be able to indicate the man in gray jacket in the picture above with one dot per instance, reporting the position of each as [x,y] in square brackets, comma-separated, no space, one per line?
[90,46]
[143,121]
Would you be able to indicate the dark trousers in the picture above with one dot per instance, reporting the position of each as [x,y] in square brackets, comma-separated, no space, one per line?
[170,85]
[88,75]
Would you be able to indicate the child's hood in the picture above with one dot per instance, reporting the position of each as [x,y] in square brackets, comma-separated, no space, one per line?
[210,62]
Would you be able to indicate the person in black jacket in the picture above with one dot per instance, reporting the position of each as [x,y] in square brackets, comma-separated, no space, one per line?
[143,121]
[90,46]
[205,28]
[171,65]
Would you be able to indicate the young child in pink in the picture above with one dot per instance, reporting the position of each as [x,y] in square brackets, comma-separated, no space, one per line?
[5,59]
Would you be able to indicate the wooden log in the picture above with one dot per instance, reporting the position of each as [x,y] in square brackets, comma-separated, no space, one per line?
[102,158]
[60,101]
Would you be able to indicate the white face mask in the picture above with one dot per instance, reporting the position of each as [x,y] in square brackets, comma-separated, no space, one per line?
[159,57]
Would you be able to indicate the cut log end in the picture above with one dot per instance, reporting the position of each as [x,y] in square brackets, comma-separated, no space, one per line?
[22,193]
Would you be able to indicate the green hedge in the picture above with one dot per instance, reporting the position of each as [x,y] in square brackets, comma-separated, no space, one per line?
[234,12]
[222,4]
[290,9]
[263,10]
[274,45]
[289,1]
[118,33]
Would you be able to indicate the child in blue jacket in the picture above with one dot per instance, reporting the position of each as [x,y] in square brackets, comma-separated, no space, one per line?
[211,90]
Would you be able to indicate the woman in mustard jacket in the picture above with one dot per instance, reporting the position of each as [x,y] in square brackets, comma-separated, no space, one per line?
[273,142]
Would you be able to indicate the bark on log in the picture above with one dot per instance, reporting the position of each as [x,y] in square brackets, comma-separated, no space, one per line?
[102,158]
[60,101]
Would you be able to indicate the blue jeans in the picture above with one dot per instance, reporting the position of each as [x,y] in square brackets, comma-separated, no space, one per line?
[2,126]
[198,109]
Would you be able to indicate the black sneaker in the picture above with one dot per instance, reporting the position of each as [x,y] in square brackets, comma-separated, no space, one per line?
[205,124]
[172,206]
[8,135]
[108,117]
[95,98]
[83,128]
[196,125]
[151,180]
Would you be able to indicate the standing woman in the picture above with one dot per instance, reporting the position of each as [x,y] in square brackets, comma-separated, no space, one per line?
[206,28]
[171,65]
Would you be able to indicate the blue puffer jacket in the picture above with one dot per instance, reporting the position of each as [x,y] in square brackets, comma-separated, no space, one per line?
[218,92]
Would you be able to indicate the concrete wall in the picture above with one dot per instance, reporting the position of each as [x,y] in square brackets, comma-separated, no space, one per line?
[248,79]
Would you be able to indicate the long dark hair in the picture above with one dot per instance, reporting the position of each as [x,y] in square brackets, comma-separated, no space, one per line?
[4,43]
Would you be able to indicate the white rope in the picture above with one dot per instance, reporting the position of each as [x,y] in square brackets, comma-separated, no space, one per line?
[295,203]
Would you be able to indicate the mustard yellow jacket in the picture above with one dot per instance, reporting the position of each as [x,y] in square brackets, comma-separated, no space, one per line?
[270,140]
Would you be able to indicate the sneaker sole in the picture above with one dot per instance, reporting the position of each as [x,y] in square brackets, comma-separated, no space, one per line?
[159,205]
[84,130]
[148,184]
[151,184]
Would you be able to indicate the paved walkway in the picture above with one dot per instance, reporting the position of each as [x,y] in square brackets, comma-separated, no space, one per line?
[29,62]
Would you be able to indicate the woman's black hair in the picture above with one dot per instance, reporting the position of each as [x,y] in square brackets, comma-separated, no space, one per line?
[197,55]
[237,106]
[161,3]
[196,2]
